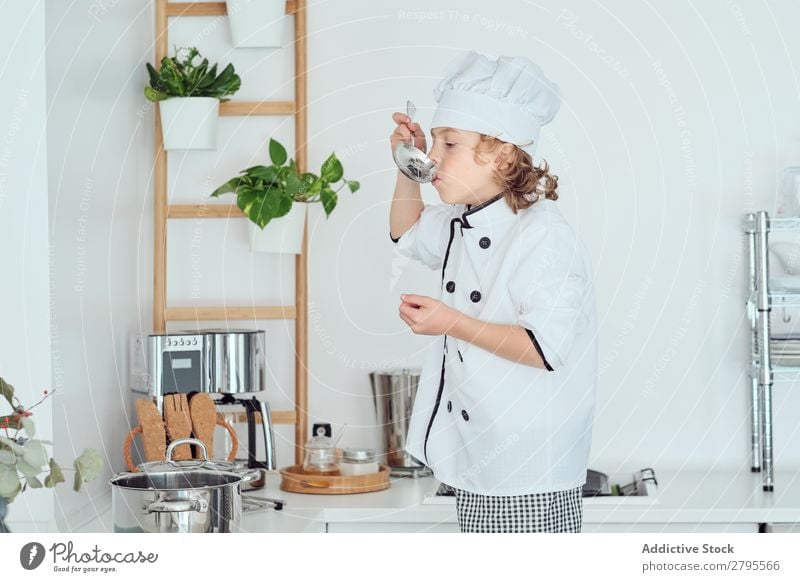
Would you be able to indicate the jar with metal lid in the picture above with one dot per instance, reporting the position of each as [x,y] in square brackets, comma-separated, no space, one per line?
[356,461]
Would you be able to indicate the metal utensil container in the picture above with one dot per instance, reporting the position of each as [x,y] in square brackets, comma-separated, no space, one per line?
[394,392]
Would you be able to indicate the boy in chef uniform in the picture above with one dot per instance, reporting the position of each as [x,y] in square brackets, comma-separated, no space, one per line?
[504,405]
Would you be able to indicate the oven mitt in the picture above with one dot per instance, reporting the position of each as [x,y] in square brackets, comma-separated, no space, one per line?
[204,419]
[179,423]
[154,438]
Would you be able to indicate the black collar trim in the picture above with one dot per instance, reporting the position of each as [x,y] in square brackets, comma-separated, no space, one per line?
[472,209]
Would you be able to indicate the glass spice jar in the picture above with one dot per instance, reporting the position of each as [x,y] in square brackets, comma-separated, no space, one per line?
[357,461]
[321,457]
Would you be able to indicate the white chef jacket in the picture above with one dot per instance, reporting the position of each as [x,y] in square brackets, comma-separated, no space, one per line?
[481,422]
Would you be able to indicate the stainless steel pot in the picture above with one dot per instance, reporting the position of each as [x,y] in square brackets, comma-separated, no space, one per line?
[198,496]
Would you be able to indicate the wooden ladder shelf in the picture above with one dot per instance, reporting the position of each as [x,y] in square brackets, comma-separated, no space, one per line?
[164,211]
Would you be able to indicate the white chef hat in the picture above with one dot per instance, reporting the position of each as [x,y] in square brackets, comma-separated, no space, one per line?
[506,97]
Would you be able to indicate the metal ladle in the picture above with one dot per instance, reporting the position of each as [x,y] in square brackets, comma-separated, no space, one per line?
[412,161]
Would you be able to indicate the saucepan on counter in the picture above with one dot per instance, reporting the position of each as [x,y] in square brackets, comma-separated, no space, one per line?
[171,496]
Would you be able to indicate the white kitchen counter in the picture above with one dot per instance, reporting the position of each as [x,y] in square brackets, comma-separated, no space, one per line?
[687,501]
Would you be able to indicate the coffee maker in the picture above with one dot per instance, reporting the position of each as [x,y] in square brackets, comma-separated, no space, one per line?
[227,364]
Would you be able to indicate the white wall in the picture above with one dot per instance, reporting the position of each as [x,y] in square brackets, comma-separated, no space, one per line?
[24,291]
[100,216]
[677,119]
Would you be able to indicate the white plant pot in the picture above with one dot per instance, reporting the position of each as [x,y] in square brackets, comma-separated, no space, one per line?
[256,23]
[281,235]
[189,123]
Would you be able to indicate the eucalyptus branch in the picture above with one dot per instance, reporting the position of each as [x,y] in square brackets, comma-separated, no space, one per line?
[15,475]
[45,397]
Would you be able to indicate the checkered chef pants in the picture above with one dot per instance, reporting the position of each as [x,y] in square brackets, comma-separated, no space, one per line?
[553,512]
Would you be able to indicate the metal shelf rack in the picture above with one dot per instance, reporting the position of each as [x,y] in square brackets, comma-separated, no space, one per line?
[763,371]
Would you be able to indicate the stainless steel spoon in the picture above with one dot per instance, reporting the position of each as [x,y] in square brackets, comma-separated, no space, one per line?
[412,161]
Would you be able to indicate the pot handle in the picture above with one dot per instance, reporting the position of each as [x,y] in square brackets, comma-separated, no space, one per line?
[187,441]
[317,484]
[250,475]
[164,506]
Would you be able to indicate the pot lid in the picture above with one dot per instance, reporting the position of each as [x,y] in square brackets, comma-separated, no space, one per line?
[170,465]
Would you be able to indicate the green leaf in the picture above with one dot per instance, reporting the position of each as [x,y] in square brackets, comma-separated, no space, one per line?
[56,475]
[293,184]
[328,198]
[209,77]
[7,391]
[353,185]
[266,207]
[187,74]
[196,75]
[229,186]
[332,169]
[155,78]
[87,467]
[266,173]
[284,206]
[9,443]
[29,426]
[308,179]
[9,481]
[277,153]
[227,83]
[246,197]
[317,186]
[34,483]
[27,469]
[35,454]
[153,95]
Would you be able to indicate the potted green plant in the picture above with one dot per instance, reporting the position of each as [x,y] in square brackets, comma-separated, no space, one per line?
[24,458]
[256,23]
[278,195]
[188,93]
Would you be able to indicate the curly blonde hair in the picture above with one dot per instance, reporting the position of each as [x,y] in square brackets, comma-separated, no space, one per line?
[525,183]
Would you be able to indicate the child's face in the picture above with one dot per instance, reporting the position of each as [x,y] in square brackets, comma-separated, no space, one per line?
[460,179]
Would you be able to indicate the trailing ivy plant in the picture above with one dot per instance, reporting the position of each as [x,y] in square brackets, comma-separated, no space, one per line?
[184,76]
[24,458]
[267,192]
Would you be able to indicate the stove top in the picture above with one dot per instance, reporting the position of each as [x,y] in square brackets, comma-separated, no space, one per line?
[643,488]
